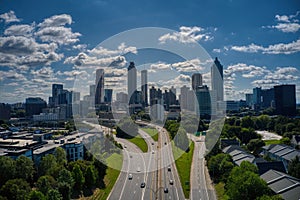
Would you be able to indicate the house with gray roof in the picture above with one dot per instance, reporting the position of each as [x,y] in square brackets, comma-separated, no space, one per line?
[286,186]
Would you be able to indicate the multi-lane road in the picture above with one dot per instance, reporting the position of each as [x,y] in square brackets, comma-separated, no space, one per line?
[201,187]
[156,168]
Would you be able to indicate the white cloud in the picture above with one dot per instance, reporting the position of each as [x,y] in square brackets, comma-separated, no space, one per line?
[187,35]
[12,75]
[189,66]
[9,17]
[44,72]
[217,50]
[19,30]
[104,52]
[280,48]
[248,71]
[56,20]
[60,35]
[286,24]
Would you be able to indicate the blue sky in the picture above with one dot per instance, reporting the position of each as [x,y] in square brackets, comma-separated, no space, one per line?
[258,42]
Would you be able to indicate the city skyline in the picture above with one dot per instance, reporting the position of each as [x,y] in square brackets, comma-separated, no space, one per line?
[255,50]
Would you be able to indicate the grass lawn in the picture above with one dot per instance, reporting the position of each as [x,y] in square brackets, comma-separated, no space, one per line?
[272,142]
[115,161]
[220,191]
[152,132]
[183,164]
[140,142]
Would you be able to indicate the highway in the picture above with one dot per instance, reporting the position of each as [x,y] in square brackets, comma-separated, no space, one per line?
[199,179]
[150,167]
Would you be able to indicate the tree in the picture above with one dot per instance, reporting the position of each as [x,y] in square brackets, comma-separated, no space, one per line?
[219,167]
[285,140]
[45,183]
[247,122]
[255,145]
[15,189]
[7,169]
[24,168]
[90,176]
[294,167]
[78,177]
[36,195]
[246,185]
[65,183]
[267,197]
[53,195]
[247,166]
[246,135]
[60,155]
[47,164]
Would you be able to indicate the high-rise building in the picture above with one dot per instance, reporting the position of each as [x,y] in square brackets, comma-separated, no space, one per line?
[285,99]
[57,89]
[92,90]
[191,98]
[122,97]
[144,82]
[196,80]
[184,97]
[4,111]
[217,80]
[267,98]
[131,82]
[203,106]
[257,99]
[99,94]
[108,95]
[249,100]
[34,106]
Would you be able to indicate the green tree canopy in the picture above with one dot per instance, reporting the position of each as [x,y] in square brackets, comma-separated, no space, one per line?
[36,195]
[294,167]
[15,189]
[219,166]
[7,169]
[47,164]
[78,177]
[24,168]
[46,183]
[60,155]
[90,176]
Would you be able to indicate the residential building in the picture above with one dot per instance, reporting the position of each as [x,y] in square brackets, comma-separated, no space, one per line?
[196,80]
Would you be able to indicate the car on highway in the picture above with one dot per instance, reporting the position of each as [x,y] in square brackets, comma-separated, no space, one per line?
[152,152]
[169,168]
[165,143]
[166,190]
[143,185]
[171,182]
[152,143]
[138,169]
[130,176]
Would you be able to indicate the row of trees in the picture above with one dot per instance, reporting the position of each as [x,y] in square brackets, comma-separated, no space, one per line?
[53,178]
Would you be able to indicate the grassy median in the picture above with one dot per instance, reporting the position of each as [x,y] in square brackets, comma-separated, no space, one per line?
[183,164]
[152,132]
[140,142]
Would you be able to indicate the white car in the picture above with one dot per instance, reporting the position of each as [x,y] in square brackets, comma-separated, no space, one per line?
[130,176]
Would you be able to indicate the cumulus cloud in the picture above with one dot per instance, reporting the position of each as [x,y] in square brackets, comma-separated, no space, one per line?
[187,35]
[19,30]
[59,35]
[9,17]
[104,52]
[280,48]
[287,24]
[248,71]
[56,20]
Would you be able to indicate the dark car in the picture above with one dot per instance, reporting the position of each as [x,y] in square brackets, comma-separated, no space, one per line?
[169,168]
[142,185]
[166,190]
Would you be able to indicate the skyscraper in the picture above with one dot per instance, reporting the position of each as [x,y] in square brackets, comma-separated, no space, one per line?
[108,95]
[217,80]
[285,99]
[99,94]
[204,106]
[144,82]
[131,82]
[184,97]
[34,106]
[196,80]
